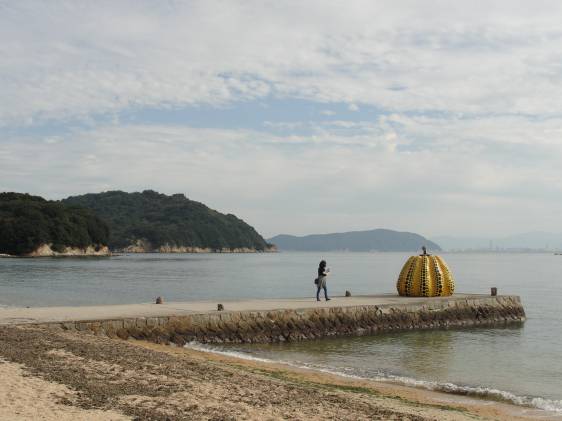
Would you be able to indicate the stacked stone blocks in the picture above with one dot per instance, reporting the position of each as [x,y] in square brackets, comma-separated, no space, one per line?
[310,323]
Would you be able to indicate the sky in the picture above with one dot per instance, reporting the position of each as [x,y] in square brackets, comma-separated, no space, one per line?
[435,117]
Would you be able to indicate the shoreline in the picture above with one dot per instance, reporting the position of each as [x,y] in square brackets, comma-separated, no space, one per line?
[127,379]
[179,323]
[118,253]
[447,391]
[391,388]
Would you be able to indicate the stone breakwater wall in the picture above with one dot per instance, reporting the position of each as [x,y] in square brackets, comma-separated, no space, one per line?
[309,323]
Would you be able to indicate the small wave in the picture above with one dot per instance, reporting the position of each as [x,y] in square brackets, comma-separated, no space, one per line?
[481,392]
[236,354]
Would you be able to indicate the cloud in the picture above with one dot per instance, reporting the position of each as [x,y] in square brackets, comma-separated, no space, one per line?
[301,183]
[82,59]
[441,118]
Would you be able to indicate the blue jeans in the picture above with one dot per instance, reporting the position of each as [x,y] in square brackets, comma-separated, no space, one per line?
[325,292]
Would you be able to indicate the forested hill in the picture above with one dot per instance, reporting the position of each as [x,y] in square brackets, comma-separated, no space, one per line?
[373,240]
[30,222]
[158,222]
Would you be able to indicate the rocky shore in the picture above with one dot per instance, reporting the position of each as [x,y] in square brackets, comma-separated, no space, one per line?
[45,250]
[62,375]
[143,246]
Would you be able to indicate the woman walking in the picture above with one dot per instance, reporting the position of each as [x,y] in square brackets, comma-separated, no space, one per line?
[323,273]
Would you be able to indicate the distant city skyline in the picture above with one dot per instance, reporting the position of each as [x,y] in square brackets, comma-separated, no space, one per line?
[435,118]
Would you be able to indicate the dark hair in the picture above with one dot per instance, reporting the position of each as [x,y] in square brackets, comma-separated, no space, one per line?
[322,263]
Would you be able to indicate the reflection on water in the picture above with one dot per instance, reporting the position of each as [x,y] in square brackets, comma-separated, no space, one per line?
[476,357]
[430,355]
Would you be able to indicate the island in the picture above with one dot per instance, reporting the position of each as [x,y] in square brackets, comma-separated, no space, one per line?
[149,221]
[371,240]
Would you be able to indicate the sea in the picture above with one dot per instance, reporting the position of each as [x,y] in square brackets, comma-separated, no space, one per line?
[517,364]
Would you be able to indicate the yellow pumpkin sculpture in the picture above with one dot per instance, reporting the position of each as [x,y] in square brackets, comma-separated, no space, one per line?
[425,276]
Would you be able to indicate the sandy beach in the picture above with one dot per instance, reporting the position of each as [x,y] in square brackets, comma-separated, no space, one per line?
[52,374]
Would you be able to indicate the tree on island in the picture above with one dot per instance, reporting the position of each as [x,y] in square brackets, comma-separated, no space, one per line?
[168,221]
[28,222]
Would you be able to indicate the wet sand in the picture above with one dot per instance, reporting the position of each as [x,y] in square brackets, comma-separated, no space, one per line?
[53,374]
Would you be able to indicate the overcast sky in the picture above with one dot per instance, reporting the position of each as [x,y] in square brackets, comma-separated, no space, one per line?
[437,117]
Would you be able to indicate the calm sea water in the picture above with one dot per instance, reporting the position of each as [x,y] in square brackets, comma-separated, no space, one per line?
[520,364]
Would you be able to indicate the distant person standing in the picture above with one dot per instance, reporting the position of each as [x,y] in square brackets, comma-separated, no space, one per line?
[323,273]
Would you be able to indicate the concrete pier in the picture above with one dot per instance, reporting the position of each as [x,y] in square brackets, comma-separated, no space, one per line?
[274,320]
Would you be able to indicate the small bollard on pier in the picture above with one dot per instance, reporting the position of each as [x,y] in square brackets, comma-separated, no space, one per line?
[494,291]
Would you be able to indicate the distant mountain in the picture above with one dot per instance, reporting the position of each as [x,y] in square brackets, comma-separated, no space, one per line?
[373,240]
[527,241]
[33,226]
[150,221]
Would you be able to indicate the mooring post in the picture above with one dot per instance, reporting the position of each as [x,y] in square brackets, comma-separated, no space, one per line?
[494,291]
